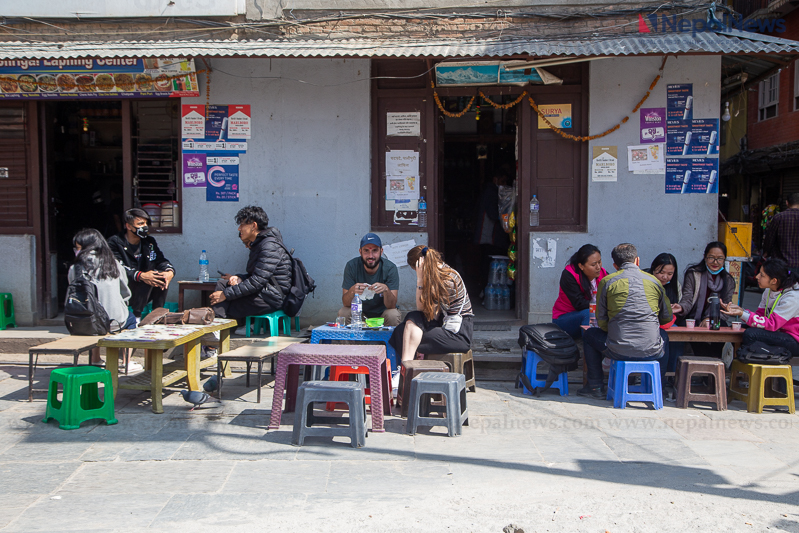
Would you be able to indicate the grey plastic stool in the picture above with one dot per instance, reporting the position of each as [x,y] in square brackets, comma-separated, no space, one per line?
[349,392]
[453,387]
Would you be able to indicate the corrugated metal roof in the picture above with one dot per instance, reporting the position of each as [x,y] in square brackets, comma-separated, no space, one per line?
[672,43]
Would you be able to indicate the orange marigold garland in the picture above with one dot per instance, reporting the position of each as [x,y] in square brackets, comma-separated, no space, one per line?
[503,106]
[448,113]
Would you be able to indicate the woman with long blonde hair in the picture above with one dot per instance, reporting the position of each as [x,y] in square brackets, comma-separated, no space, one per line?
[442,322]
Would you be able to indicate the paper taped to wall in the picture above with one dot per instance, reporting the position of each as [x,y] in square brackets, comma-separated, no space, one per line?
[545,250]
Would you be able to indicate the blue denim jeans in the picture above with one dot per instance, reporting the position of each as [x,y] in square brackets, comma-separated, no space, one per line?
[594,340]
[571,322]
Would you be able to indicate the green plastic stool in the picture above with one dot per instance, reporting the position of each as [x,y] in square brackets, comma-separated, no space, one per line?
[81,398]
[172,307]
[275,318]
[7,310]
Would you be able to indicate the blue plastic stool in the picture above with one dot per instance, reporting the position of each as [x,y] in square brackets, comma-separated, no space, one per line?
[274,319]
[531,360]
[649,390]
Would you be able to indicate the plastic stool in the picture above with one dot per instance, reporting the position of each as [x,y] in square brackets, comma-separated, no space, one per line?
[172,307]
[81,399]
[7,312]
[649,390]
[274,319]
[755,396]
[687,367]
[530,362]
[349,392]
[459,363]
[453,387]
[343,373]
[408,371]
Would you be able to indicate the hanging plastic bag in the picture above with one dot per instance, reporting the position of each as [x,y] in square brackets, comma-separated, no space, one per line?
[507,202]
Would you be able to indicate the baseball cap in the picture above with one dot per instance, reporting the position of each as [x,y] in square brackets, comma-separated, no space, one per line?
[371,238]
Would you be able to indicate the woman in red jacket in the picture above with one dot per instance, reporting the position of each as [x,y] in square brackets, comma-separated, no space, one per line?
[578,287]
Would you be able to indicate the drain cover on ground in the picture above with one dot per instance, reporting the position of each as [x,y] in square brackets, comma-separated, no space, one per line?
[491,327]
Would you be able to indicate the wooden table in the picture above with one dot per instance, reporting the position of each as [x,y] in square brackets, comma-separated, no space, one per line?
[370,356]
[697,334]
[205,288]
[256,352]
[73,345]
[154,340]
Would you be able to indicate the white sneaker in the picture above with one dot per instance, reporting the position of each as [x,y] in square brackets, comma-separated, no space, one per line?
[134,367]
[207,352]
[395,377]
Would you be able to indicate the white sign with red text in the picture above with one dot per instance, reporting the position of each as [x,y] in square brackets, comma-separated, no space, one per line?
[239,122]
[193,121]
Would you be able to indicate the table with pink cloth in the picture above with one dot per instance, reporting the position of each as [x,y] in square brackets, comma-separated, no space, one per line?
[287,375]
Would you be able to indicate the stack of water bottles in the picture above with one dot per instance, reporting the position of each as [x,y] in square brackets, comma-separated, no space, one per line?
[497,293]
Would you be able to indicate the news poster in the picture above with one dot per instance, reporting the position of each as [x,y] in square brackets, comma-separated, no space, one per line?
[223,179]
[680,102]
[653,125]
[697,175]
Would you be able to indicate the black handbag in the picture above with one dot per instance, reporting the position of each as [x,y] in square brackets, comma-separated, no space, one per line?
[554,346]
[760,353]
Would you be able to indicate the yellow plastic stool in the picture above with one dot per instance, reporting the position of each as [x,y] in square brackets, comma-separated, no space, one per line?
[755,396]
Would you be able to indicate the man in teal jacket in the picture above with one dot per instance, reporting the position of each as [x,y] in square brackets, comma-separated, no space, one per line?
[630,308]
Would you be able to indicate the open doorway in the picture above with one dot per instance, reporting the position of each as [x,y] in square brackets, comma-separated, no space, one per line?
[84,171]
[479,157]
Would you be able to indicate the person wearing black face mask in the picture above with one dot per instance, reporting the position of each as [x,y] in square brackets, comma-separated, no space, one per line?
[149,272]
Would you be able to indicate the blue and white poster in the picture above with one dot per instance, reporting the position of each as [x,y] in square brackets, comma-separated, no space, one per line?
[677,132]
[704,136]
[223,179]
[680,102]
[692,175]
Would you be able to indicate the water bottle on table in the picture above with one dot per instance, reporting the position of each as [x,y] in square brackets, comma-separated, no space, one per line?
[356,308]
[203,266]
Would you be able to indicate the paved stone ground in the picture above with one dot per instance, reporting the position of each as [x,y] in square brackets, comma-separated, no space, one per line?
[549,464]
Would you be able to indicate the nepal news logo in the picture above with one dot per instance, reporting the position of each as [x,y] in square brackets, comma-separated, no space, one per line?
[672,24]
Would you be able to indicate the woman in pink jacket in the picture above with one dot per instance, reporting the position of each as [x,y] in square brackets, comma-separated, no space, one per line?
[578,288]
[776,321]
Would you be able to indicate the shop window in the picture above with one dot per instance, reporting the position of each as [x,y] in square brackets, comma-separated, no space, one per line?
[769,97]
[156,136]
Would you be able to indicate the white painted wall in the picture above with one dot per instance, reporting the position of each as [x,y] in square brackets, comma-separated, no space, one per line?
[308,166]
[18,275]
[635,208]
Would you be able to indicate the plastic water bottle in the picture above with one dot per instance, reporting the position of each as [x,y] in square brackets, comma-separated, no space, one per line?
[488,302]
[203,266]
[534,205]
[356,307]
[505,298]
[422,213]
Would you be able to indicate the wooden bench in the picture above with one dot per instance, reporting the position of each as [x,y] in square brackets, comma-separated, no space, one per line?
[256,352]
[73,345]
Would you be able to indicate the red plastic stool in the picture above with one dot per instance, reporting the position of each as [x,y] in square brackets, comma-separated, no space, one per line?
[343,373]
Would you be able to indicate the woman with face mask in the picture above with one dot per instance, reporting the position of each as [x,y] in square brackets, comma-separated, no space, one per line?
[578,289]
[701,280]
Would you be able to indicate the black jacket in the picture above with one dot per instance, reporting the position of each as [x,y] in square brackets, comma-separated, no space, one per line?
[268,271]
[152,258]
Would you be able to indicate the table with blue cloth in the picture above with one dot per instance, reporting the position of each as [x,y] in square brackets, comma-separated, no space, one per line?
[325,334]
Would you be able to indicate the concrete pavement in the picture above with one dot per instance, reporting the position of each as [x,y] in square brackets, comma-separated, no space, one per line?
[547,464]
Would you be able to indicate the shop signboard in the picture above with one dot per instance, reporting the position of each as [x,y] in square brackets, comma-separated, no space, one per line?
[62,79]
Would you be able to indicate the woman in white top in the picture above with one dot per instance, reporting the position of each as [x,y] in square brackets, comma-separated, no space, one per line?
[94,257]
[443,320]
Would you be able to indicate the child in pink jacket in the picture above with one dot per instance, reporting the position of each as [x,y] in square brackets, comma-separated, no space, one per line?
[776,321]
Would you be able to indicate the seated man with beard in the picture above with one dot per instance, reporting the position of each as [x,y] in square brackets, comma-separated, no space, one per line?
[378,276]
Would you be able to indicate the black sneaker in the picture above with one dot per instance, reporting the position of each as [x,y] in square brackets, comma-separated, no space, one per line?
[592,392]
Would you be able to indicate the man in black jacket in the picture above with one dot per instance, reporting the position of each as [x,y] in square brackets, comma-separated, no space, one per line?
[149,272]
[268,279]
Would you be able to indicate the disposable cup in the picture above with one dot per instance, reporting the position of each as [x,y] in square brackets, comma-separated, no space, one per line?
[736,326]
[690,323]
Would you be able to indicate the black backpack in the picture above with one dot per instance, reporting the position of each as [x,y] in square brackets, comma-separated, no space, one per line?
[301,284]
[554,346]
[83,313]
[760,353]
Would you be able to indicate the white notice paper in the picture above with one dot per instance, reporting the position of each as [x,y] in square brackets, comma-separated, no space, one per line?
[403,124]
[402,163]
[397,253]
[546,252]
[646,159]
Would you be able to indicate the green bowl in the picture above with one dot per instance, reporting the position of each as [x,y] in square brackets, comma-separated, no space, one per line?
[375,322]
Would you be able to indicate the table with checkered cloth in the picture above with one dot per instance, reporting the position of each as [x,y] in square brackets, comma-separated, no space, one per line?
[327,333]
